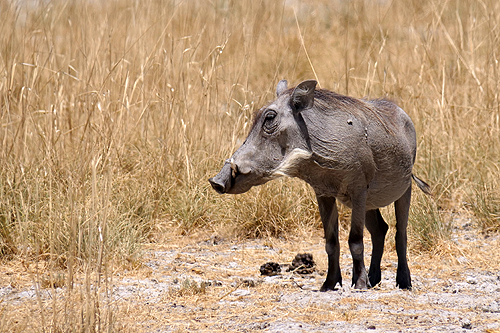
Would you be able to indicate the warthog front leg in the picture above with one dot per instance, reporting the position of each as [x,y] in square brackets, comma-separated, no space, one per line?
[359,276]
[329,217]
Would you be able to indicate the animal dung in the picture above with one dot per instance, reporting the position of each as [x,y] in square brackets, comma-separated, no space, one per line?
[303,263]
[270,269]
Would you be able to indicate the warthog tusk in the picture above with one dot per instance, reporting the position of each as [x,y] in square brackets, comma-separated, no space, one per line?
[234,168]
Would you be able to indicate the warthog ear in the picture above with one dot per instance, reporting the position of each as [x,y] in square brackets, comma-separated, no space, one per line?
[282,85]
[303,96]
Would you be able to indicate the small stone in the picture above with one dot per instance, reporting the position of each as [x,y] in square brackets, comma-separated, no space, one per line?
[260,326]
[493,307]
[215,283]
[197,270]
[248,283]
[466,324]
[471,280]
[240,293]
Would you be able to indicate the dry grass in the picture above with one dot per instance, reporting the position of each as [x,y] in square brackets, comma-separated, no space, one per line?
[115,113]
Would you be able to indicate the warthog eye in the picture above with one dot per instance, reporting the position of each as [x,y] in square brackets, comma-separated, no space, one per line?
[270,115]
[270,124]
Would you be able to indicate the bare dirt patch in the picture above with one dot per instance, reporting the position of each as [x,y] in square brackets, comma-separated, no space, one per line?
[213,284]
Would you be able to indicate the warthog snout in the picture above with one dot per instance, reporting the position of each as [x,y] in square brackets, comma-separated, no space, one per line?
[218,185]
[224,180]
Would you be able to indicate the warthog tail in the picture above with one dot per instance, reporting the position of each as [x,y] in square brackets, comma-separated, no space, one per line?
[422,185]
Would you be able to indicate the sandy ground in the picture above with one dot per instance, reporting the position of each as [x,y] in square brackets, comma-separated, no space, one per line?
[213,284]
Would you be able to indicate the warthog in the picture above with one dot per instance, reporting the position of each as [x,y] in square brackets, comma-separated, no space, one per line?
[360,152]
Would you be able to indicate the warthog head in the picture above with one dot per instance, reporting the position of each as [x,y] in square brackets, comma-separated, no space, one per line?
[275,146]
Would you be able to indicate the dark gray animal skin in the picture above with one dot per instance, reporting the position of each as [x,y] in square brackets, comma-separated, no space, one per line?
[359,152]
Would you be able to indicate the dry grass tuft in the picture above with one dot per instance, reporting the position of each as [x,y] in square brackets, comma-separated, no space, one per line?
[485,205]
[188,288]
